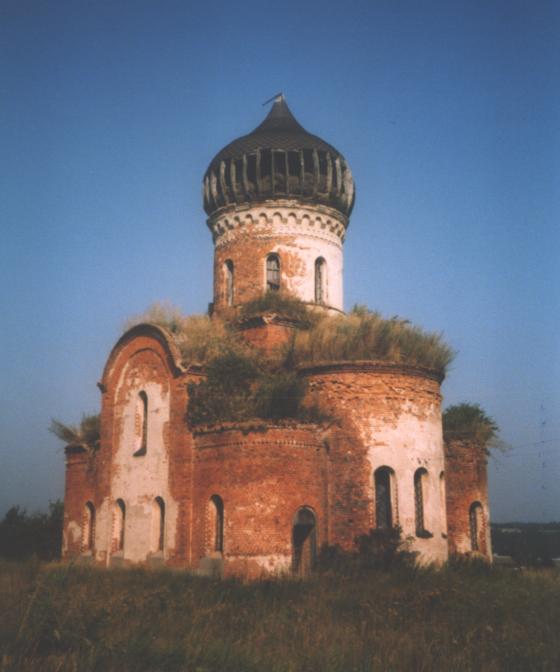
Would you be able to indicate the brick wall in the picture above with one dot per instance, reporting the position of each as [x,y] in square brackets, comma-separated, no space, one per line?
[263,477]
[298,236]
[386,416]
[80,487]
[378,415]
[466,483]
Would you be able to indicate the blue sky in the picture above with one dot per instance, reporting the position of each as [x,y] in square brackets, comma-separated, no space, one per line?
[448,113]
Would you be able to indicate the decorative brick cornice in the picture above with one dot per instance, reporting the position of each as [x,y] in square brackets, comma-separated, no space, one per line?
[255,426]
[370,366]
[287,216]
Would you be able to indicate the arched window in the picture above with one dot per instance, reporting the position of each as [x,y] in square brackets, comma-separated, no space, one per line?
[383,482]
[88,528]
[273,272]
[320,280]
[304,541]
[119,523]
[141,424]
[216,524]
[476,525]
[442,504]
[158,525]
[420,487]
[228,267]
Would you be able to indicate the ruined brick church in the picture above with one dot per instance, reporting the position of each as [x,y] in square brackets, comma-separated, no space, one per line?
[250,501]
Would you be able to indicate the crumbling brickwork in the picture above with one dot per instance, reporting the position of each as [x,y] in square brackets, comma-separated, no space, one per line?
[299,236]
[263,498]
[468,526]
[263,476]
[386,416]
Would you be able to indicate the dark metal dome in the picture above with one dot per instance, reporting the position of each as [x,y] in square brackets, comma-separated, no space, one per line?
[279,159]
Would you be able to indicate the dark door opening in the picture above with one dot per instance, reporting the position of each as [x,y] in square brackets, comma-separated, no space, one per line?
[304,542]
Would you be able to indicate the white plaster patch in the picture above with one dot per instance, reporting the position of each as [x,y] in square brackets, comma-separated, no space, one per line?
[298,233]
[405,446]
[138,479]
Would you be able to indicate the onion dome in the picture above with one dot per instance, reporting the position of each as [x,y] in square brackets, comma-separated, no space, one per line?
[279,160]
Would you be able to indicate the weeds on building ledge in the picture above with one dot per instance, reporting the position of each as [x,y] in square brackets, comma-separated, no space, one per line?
[85,436]
[469,422]
[359,335]
[242,384]
[279,303]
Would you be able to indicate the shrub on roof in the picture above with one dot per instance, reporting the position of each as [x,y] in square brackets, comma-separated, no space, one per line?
[241,385]
[363,334]
[469,422]
[198,337]
[86,435]
[280,303]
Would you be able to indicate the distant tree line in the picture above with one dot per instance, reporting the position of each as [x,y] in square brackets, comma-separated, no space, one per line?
[39,535]
[528,544]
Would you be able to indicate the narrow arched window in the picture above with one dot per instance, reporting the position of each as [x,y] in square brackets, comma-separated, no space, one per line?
[216,524]
[383,478]
[442,504]
[141,424]
[229,273]
[476,525]
[304,541]
[420,481]
[320,280]
[273,272]
[88,529]
[119,524]
[158,525]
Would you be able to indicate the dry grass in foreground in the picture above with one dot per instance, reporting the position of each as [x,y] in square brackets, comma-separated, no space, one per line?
[69,618]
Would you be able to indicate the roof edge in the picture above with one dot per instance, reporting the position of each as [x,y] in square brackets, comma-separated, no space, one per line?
[151,330]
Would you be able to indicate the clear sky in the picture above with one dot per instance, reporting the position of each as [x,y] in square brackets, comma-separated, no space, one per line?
[448,113]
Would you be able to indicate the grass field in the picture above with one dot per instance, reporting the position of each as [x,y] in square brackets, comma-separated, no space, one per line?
[460,618]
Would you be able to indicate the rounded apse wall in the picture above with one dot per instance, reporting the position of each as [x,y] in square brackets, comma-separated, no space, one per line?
[386,454]
[263,477]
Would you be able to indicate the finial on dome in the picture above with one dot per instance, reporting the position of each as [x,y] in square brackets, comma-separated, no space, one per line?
[278,159]
[279,97]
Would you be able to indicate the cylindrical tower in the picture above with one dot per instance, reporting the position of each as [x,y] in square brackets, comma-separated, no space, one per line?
[386,454]
[278,202]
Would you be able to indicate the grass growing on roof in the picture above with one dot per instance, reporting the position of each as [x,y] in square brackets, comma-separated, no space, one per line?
[239,388]
[242,385]
[199,338]
[366,335]
[281,303]
[86,435]
[361,334]
[469,422]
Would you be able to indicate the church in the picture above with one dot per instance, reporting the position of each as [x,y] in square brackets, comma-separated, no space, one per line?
[263,497]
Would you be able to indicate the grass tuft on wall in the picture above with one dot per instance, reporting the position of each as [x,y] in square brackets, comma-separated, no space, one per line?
[241,385]
[469,422]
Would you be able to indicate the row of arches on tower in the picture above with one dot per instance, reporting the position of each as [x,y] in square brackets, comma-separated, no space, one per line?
[118,532]
[291,221]
[273,278]
[386,499]
[386,506]
[304,529]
